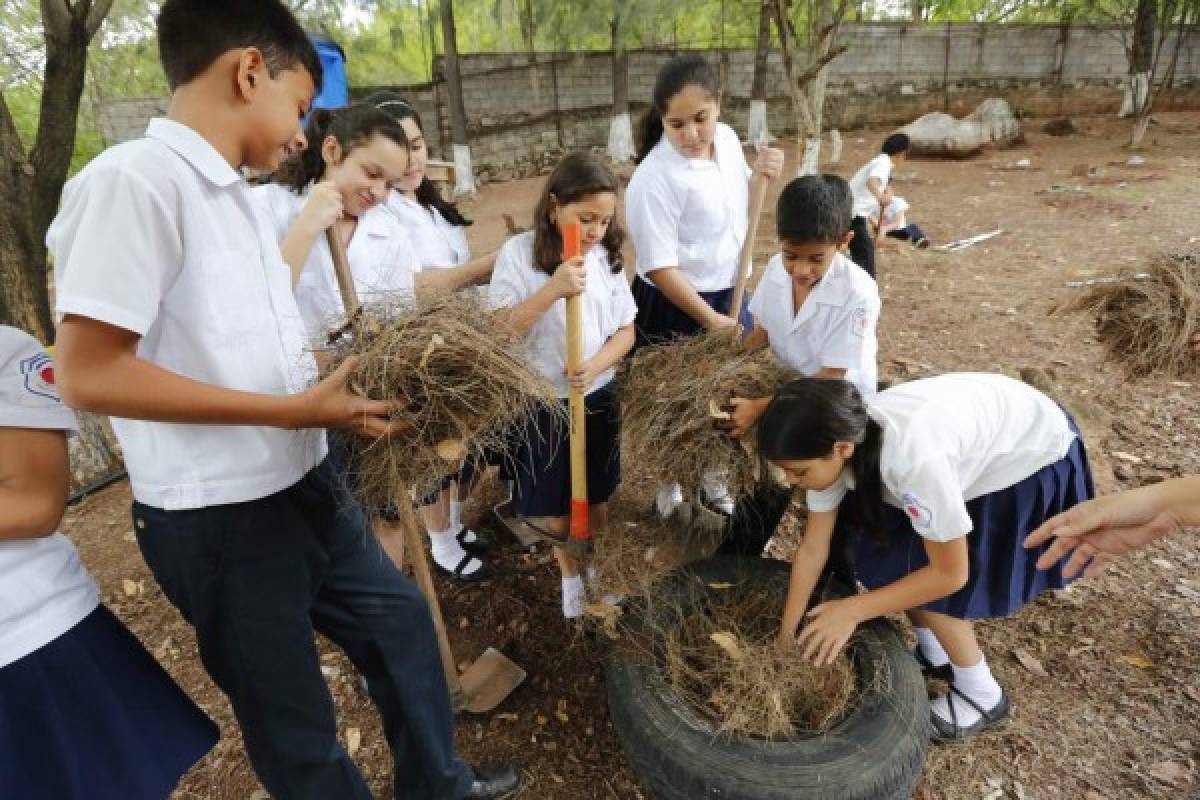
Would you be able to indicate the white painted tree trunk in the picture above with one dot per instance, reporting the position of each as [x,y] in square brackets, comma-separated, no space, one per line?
[756,128]
[812,156]
[1137,92]
[464,183]
[835,146]
[620,139]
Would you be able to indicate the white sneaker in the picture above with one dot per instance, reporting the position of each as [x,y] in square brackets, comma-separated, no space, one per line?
[719,498]
[667,499]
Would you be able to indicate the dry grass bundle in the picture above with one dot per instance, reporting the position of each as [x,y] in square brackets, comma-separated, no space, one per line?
[631,556]
[671,395]
[723,661]
[456,371]
[1147,320]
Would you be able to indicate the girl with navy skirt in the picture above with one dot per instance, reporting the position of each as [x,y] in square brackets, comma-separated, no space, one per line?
[530,280]
[85,711]
[687,208]
[936,482]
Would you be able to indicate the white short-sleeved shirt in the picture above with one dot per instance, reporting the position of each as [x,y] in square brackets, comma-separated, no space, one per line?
[44,589]
[691,213]
[161,236]
[950,439]
[835,327]
[608,306]
[865,204]
[894,209]
[381,256]
[438,243]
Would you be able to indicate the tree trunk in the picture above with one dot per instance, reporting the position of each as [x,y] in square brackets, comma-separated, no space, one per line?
[95,454]
[1141,60]
[620,130]
[465,182]
[758,130]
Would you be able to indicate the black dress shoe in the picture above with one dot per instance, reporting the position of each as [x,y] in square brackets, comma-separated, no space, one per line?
[495,782]
[479,546]
[484,572]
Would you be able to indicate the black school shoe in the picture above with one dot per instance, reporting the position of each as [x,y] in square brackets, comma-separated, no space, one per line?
[484,572]
[481,546]
[951,731]
[943,673]
[494,782]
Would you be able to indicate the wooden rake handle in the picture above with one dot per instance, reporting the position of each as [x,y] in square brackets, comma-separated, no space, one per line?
[341,268]
[758,197]
[572,247]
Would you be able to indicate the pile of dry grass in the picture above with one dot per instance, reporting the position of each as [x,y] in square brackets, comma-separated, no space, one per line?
[456,371]
[723,660]
[671,395]
[1147,319]
[631,556]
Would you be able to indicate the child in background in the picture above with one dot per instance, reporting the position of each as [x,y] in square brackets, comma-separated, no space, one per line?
[817,311]
[438,231]
[937,482]
[687,207]
[871,193]
[355,155]
[530,280]
[895,224]
[179,322]
[85,711]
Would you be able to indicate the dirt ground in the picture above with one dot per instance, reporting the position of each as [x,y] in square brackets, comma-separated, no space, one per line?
[1105,678]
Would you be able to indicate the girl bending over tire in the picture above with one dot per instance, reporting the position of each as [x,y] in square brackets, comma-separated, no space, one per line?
[934,485]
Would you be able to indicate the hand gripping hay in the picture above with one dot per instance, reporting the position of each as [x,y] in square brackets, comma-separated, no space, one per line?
[673,393]
[457,372]
[1147,319]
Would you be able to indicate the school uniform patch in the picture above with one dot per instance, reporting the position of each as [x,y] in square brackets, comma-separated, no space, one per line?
[917,511]
[860,322]
[39,376]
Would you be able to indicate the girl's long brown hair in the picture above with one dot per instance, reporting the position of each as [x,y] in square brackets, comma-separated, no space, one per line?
[350,126]
[576,176]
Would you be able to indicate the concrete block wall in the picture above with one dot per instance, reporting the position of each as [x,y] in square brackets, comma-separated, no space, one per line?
[519,107]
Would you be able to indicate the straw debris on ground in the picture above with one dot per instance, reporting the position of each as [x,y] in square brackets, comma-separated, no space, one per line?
[1147,319]
[456,371]
[631,556]
[723,660]
[673,395]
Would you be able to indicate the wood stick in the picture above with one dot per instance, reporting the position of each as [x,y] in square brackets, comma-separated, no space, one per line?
[341,268]
[572,247]
[415,550]
[758,197]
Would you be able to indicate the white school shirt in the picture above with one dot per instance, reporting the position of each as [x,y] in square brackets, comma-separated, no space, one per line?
[382,260]
[894,209]
[161,236]
[950,439]
[865,204]
[438,243]
[608,306]
[44,589]
[691,213]
[835,327]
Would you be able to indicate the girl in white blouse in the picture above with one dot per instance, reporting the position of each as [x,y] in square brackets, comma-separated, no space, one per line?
[532,279]
[935,483]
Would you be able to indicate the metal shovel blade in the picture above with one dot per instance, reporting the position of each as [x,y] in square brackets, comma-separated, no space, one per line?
[520,529]
[488,681]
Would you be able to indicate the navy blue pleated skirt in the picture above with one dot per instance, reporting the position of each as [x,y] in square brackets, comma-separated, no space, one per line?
[1003,576]
[659,320]
[540,466]
[92,716]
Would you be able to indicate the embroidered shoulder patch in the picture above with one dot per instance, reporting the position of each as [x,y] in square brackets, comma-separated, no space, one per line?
[860,321]
[917,511]
[39,376]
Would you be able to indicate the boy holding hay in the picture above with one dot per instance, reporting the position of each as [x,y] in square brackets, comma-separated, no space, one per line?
[178,321]
[530,280]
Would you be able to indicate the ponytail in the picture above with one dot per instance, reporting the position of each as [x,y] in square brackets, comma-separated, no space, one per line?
[673,77]
[350,127]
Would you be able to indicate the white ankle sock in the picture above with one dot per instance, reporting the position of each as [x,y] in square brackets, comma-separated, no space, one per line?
[975,682]
[931,648]
[447,552]
[573,596]
[456,511]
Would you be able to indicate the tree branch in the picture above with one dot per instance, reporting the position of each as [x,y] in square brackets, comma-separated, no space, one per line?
[96,15]
[815,68]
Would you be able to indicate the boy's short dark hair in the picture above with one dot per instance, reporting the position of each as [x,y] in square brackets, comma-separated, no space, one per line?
[814,208]
[192,34]
[896,144]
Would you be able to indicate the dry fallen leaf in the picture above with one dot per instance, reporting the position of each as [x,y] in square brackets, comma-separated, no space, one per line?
[560,712]
[353,740]
[451,450]
[1030,663]
[1141,662]
[720,585]
[129,587]
[729,643]
[1170,772]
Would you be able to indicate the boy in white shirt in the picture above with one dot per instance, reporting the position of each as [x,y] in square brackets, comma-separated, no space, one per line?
[871,193]
[178,321]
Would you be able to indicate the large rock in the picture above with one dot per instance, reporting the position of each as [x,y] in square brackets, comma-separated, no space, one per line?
[938,134]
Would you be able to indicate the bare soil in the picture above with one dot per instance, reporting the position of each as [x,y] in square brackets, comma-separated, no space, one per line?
[1104,678]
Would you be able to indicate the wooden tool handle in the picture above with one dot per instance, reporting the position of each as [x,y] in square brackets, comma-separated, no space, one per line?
[341,268]
[416,556]
[572,247]
[758,197]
